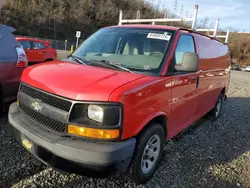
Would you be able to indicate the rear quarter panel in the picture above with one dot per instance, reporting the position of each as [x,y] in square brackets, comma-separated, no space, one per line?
[51,52]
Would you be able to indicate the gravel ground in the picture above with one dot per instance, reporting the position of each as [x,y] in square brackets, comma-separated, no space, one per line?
[62,54]
[205,155]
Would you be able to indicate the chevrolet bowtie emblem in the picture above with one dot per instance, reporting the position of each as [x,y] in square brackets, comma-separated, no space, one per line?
[36,106]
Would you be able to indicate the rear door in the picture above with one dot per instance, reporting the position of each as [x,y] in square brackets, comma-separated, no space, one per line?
[38,51]
[184,87]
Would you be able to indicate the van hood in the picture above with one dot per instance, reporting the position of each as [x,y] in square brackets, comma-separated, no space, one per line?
[76,81]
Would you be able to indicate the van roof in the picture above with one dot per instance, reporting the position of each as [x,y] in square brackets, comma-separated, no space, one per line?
[148,26]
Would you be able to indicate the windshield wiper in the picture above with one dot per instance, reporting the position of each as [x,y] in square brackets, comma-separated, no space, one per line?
[106,62]
[79,60]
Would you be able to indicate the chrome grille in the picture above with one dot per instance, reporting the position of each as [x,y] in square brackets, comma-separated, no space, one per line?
[46,98]
[43,120]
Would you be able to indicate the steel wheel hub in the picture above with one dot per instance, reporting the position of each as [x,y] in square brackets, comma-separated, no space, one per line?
[150,154]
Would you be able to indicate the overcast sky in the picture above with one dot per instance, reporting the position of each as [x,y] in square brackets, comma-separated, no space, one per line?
[232,13]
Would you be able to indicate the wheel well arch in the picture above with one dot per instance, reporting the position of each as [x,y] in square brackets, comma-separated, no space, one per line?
[160,119]
[49,59]
[223,91]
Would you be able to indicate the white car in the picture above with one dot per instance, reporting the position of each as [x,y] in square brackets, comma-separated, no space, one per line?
[247,69]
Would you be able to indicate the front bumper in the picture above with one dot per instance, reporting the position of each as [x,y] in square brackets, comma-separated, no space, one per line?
[73,155]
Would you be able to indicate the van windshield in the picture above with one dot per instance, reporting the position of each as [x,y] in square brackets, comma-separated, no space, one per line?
[136,49]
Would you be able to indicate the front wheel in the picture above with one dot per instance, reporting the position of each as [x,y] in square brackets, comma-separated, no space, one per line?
[149,150]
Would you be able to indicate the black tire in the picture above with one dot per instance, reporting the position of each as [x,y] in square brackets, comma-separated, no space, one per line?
[48,60]
[135,171]
[216,111]
[1,103]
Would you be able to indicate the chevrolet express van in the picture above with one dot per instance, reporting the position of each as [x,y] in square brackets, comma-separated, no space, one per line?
[111,105]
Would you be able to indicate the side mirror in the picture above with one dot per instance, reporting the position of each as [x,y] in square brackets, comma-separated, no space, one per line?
[190,63]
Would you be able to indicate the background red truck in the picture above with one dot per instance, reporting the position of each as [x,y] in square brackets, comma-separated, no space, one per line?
[111,104]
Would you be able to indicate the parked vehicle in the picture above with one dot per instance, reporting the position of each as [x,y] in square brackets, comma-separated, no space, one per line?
[247,69]
[12,63]
[112,104]
[236,66]
[38,51]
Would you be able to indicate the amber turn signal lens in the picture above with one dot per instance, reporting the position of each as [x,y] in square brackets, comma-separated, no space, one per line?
[18,102]
[93,133]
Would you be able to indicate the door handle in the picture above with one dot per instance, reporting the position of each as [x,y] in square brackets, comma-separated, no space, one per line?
[197,81]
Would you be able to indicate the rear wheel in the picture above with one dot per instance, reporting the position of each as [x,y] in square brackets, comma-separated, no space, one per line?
[149,150]
[216,111]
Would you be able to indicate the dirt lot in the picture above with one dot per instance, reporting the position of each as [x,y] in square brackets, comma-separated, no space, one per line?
[206,155]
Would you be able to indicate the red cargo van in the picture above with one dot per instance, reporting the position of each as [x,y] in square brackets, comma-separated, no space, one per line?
[112,104]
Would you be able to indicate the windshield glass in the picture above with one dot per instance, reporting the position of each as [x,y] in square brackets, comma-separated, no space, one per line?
[139,50]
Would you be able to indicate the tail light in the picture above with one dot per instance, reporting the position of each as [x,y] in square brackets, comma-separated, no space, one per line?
[22,61]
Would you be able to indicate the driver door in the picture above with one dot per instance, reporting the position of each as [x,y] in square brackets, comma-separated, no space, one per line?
[184,88]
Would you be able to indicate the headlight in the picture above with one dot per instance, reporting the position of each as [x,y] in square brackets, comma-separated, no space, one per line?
[96,120]
[95,113]
[103,115]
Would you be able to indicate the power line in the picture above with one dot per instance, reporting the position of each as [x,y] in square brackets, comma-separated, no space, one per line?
[181,12]
[175,6]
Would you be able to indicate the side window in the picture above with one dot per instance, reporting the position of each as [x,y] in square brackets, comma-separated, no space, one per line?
[52,46]
[38,45]
[26,44]
[185,44]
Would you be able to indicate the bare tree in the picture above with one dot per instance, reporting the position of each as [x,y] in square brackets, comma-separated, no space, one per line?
[203,23]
